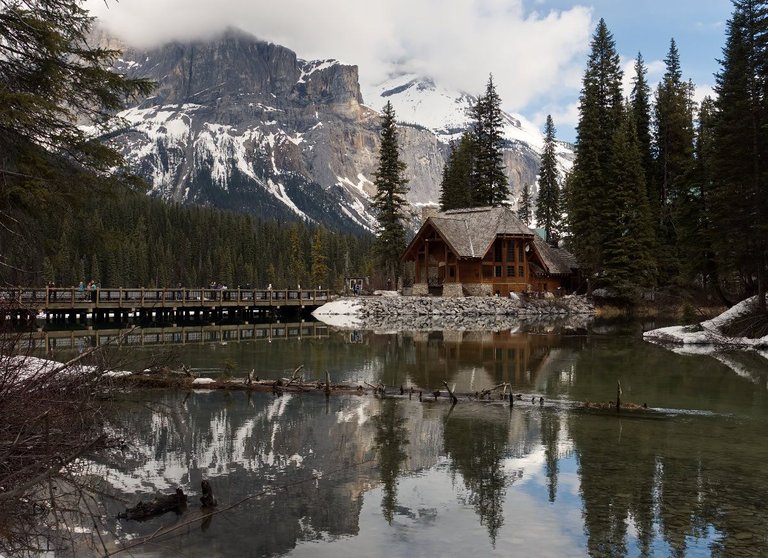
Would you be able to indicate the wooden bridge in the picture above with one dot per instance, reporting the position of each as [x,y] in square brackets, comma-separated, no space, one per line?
[100,303]
[185,335]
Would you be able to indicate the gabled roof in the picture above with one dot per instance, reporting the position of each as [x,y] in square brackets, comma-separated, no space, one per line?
[557,261]
[471,232]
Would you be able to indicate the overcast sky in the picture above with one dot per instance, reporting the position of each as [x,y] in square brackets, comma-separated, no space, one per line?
[536,49]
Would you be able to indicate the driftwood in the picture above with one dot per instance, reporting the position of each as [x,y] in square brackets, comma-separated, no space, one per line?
[450,392]
[488,391]
[158,506]
[295,374]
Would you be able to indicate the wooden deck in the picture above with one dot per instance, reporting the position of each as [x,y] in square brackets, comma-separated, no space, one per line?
[72,300]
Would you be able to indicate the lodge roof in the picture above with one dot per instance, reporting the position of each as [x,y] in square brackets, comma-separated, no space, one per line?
[556,260]
[471,231]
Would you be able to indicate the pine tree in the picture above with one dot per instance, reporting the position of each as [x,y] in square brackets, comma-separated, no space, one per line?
[674,162]
[51,81]
[548,211]
[600,115]
[490,184]
[524,208]
[740,195]
[389,201]
[455,188]
[640,101]
[320,269]
[628,254]
[698,256]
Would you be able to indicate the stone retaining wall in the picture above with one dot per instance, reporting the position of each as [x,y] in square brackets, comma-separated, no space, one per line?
[472,306]
[468,313]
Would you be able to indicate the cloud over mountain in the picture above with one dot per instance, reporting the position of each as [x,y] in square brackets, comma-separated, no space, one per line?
[533,55]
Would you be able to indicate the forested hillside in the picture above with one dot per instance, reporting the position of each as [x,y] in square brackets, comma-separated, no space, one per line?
[130,240]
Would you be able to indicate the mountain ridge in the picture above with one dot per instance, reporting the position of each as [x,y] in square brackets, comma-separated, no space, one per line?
[243,124]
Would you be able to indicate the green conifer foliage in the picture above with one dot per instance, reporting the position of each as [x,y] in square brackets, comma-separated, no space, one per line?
[548,209]
[490,184]
[389,201]
[455,187]
[600,115]
[628,253]
[320,269]
[524,207]
[640,103]
[51,80]
[740,194]
[674,162]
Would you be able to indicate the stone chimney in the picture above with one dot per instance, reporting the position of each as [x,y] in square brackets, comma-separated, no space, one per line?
[428,211]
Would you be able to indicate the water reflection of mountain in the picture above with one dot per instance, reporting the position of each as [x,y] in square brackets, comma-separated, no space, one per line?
[314,460]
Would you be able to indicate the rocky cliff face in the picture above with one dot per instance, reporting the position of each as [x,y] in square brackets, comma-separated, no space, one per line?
[242,124]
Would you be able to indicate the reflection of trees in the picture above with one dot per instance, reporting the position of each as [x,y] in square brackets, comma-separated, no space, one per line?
[686,478]
[617,477]
[550,429]
[476,447]
[391,439]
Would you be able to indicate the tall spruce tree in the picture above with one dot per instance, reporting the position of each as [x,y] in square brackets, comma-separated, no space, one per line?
[455,187]
[548,210]
[628,258]
[389,201]
[674,163]
[589,186]
[698,258]
[740,193]
[640,101]
[524,210]
[490,184]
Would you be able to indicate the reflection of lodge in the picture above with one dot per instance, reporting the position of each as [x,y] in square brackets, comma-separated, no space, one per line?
[485,251]
[517,359]
[68,339]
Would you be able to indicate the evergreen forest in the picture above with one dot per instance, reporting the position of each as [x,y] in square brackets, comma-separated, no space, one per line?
[665,192]
[130,240]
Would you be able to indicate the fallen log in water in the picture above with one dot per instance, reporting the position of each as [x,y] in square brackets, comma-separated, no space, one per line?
[158,506]
[297,385]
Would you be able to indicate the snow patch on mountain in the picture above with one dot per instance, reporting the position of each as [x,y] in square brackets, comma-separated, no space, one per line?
[310,67]
[444,111]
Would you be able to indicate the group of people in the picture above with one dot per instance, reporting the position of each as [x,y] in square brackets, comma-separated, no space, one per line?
[89,290]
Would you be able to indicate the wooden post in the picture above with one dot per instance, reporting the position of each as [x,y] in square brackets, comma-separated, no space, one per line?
[327,383]
[618,396]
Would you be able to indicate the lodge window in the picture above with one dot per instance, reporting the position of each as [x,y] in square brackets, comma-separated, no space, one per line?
[520,252]
[497,271]
[521,271]
[451,271]
[510,271]
[511,251]
[497,251]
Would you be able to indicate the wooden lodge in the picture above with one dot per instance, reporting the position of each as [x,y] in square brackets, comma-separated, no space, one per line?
[485,251]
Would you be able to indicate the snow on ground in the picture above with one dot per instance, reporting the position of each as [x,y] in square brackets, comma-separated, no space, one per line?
[343,313]
[710,331]
[29,367]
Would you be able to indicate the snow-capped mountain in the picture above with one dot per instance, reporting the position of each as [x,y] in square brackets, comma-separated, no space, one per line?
[242,124]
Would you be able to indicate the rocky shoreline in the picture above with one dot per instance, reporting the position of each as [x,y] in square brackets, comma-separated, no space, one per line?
[464,313]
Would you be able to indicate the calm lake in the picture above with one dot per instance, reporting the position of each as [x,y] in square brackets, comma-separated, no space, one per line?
[362,476]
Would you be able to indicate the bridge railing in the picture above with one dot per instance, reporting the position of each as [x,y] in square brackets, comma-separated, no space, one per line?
[141,297]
